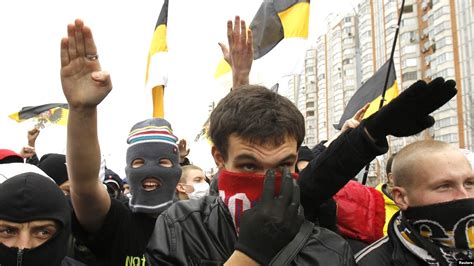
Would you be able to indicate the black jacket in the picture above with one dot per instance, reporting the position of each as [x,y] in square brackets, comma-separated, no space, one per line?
[388,251]
[201,232]
[334,166]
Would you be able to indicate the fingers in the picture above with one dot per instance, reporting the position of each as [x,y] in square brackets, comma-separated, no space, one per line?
[80,46]
[89,43]
[249,43]
[64,52]
[236,33]
[268,186]
[295,200]
[71,35]
[286,191]
[243,33]
[360,114]
[230,36]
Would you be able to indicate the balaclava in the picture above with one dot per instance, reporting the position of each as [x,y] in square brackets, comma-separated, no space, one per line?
[29,197]
[54,165]
[152,140]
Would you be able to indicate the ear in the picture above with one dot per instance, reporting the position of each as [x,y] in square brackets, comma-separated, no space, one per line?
[218,158]
[390,178]
[400,198]
[180,188]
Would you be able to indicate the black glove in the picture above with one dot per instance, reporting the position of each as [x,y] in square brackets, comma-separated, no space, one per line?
[273,222]
[408,114]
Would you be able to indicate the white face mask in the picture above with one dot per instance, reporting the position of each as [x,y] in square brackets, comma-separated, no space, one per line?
[200,190]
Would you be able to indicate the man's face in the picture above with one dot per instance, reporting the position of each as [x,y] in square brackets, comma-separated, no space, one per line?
[440,177]
[243,156]
[27,235]
[193,176]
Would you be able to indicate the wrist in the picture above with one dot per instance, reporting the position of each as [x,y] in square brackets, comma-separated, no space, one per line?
[240,258]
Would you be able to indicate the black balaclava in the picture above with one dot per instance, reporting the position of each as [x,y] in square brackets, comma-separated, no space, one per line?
[30,197]
[152,140]
[54,165]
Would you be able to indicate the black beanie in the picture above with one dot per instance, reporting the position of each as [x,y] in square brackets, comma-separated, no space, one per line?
[54,165]
[30,197]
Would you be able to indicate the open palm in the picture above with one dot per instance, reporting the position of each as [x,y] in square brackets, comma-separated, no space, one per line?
[83,82]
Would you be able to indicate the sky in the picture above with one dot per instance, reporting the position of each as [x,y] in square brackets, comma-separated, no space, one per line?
[31,31]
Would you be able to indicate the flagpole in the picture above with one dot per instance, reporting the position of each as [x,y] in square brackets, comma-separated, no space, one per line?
[366,172]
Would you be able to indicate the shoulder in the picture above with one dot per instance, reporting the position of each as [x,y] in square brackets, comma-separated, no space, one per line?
[378,253]
[185,209]
[325,247]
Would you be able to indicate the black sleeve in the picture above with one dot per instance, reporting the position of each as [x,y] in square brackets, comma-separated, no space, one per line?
[33,160]
[335,166]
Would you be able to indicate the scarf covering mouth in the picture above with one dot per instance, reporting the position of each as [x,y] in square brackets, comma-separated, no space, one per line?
[440,234]
[242,191]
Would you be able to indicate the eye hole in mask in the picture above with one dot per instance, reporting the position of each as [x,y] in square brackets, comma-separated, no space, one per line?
[137,163]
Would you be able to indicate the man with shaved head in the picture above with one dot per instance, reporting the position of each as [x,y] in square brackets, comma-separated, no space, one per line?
[434,189]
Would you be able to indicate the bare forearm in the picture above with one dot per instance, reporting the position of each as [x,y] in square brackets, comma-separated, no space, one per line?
[89,198]
[83,151]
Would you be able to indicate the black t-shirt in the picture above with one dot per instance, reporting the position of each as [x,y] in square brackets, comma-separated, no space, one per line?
[123,238]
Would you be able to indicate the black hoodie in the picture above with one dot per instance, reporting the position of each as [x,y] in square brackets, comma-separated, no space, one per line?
[30,197]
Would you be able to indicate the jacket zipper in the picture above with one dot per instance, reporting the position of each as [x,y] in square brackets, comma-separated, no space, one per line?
[19,257]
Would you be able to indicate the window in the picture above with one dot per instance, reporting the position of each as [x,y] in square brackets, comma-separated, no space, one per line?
[410,76]
[408,21]
[309,104]
[347,61]
[408,9]
[410,62]
[349,82]
[309,113]
[409,49]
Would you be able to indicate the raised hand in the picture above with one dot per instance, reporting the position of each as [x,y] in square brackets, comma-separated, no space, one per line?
[239,55]
[83,82]
[354,121]
[409,113]
[32,136]
[183,150]
[269,226]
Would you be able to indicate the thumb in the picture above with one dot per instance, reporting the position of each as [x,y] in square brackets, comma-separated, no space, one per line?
[224,49]
[101,76]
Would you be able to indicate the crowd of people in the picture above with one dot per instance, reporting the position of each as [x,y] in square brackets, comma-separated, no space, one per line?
[273,201]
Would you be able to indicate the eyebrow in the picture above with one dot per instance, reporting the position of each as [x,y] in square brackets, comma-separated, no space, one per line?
[291,157]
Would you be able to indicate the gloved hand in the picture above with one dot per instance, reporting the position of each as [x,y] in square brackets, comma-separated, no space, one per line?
[408,114]
[269,226]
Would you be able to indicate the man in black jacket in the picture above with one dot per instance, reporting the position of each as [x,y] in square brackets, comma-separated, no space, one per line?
[255,132]
[434,188]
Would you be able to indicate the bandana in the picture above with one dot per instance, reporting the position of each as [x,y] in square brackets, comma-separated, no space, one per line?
[440,234]
[241,191]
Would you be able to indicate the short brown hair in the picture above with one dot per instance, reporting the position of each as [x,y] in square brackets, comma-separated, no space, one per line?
[185,169]
[257,115]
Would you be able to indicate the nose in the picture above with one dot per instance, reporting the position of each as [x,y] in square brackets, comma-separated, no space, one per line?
[24,241]
[462,193]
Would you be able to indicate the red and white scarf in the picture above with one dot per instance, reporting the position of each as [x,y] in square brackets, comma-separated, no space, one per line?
[241,191]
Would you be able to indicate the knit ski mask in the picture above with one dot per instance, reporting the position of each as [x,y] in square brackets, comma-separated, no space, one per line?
[152,185]
[30,197]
